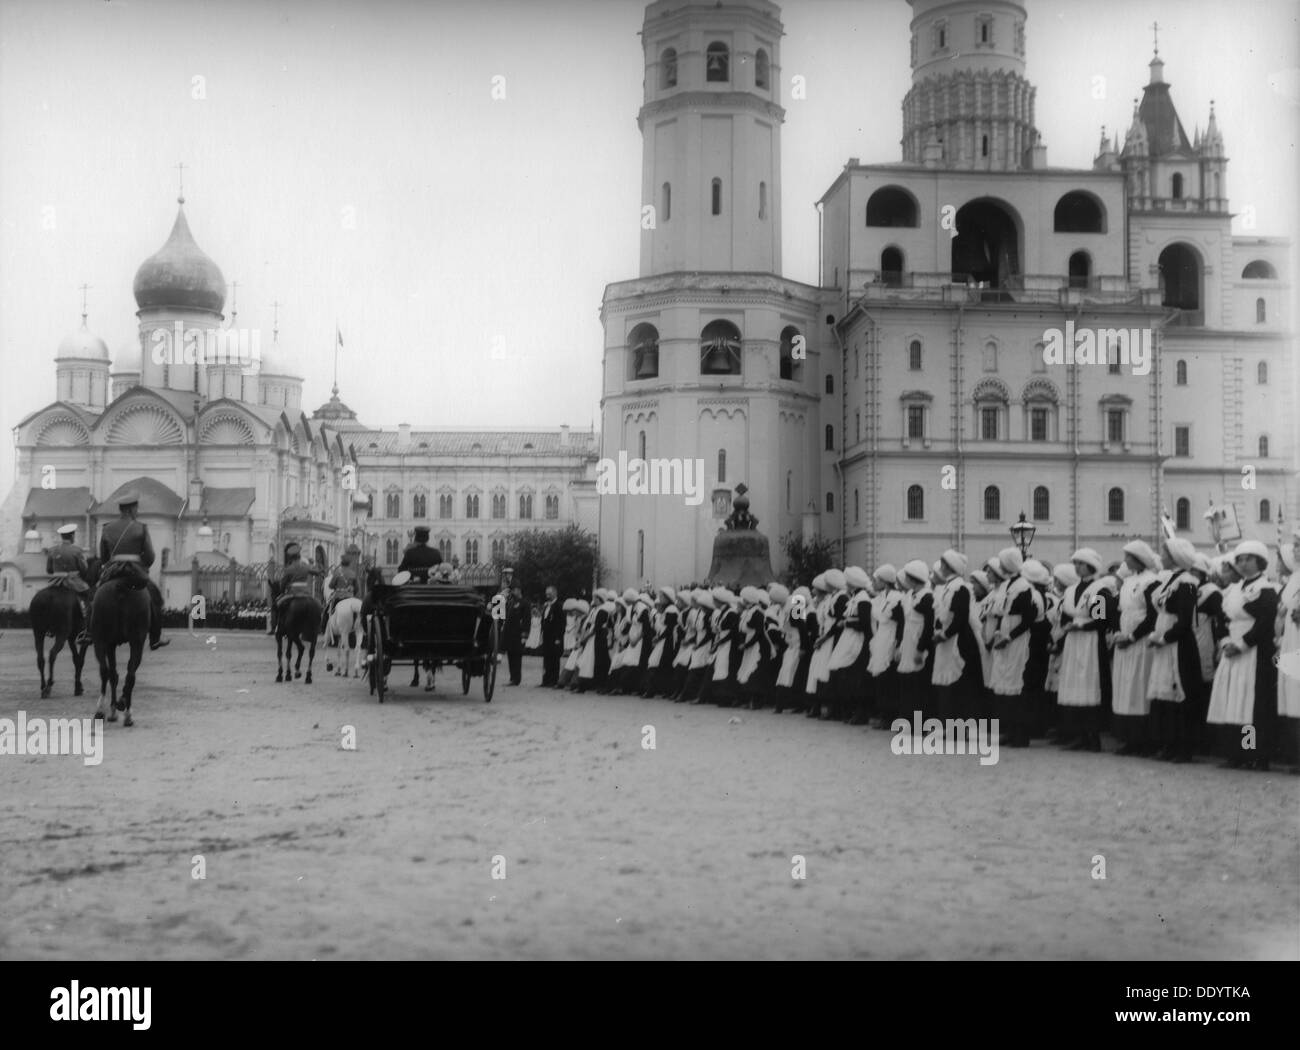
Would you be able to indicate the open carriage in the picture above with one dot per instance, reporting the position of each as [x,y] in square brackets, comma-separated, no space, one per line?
[436,622]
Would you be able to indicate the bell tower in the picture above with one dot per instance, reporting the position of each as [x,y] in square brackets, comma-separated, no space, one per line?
[711,134]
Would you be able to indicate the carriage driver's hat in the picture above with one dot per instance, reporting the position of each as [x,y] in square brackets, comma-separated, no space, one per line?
[129,498]
[68,530]
[291,549]
[421,533]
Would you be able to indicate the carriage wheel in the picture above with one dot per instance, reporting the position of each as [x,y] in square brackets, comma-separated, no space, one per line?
[377,677]
[465,677]
[490,665]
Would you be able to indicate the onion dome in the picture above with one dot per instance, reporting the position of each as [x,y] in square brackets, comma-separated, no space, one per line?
[83,343]
[179,274]
[279,361]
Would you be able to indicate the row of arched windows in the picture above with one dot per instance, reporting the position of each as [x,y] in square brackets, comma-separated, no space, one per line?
[720,351]
[1075,212]
[991,503]
[447,507]
[1183,512]
[717,66]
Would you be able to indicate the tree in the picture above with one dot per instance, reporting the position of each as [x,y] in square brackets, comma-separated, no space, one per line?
[804,559]
[563,558]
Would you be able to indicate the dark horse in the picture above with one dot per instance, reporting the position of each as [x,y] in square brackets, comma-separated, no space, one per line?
[119,616]
[56,613]
[297,622]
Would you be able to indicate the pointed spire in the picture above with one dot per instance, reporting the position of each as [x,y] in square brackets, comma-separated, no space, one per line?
[1157,66]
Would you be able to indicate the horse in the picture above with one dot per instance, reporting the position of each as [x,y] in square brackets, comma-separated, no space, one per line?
[345,623]
[120,613]
[297,622]
[56,613]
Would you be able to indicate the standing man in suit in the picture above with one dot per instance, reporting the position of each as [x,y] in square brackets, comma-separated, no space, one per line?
[552,638]
[419,557]
[519,618]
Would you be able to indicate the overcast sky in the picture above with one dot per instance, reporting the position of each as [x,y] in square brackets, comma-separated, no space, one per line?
[476,220]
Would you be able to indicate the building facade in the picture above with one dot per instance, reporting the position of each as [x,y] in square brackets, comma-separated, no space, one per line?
[937,399]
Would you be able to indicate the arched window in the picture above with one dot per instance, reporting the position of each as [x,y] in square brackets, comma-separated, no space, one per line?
[891,206]
[471,552]
[420,505]
[1180,373]
[1265,511]
[720,349]
[762,70]
[445,506]
[891,267]
[914,355]
[668,69]
[1180,277]
[915,503]
[830,438]
[717,196]
[830,503]
[1260,311]
[666,201]
[444,548]
[498,505]
[992,504]
[640,444]
[1080,270]
[1259,270]
[471,506]
[643,342]
[1078,212]
[498,550]
[856,507]
[1261,373]
[984,146]
[830,384]
[1183,513]
[762,200]
[392,552]
[526,505]
[1176,186]
[990,356]
[722,465]
[1042,504]
[552,507]
[717,63]
[393,505]
[1263,446]
[791,367]
[1115,505]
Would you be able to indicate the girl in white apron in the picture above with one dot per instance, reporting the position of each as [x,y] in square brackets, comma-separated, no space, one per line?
[914,645]
[1288,686]
[1243,702]
[1174,683]
[1087,611]
[1063,578]
[848,666]
[1131,658]
[687,625]
[957,675]
[792,634]
[1024,609]
[886,630]
[821,652]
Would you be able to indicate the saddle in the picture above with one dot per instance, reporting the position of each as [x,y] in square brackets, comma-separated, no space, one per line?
[127,575]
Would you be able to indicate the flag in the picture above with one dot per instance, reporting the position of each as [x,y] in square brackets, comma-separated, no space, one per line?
[338,334]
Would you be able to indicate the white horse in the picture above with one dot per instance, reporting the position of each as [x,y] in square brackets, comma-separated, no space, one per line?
[344,631]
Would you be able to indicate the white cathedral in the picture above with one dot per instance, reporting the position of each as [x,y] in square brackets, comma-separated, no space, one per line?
[907,405]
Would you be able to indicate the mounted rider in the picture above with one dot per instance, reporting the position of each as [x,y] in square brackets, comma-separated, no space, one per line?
[345,583]
[126,552]
[66,566]
[295,580]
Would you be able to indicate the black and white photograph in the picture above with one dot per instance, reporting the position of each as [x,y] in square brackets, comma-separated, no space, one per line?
[696,480]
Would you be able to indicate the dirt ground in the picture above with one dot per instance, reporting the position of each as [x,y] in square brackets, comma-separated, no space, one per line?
[609,850]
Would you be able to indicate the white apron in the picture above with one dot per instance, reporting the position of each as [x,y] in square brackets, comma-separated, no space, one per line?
[1080,682]
[1162,680]
[821,657]
[1054,661]
[753,650]
[793,640]
[948,662]
[848,646]
[911,656]
[1288,688]
[1009,661]
[884,632]
[1130,667]
[1232,701]
[1205,632]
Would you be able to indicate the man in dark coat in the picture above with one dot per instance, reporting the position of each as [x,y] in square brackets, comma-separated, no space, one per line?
[419,557]
[126,553]
[519,619]
[552,638]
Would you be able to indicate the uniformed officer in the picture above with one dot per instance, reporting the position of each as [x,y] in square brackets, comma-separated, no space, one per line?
[66,564]
[294,579]
[126,552]
[419,557]
[343,584]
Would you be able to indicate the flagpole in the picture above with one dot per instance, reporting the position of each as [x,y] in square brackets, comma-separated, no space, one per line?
[336,356]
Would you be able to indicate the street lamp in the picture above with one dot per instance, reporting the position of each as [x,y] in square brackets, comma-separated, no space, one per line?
[1022,534]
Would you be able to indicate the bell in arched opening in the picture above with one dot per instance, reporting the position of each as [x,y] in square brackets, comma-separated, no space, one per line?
[720,349]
